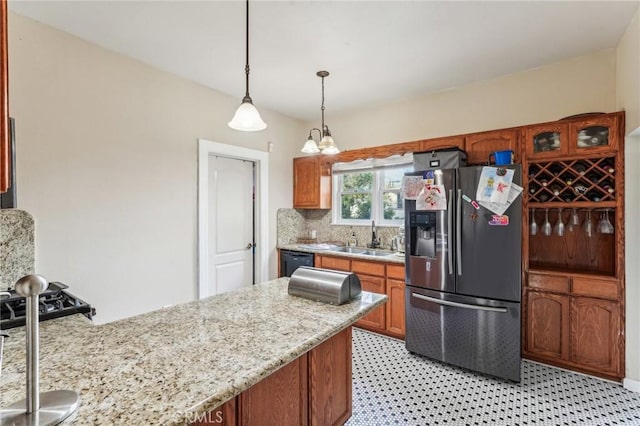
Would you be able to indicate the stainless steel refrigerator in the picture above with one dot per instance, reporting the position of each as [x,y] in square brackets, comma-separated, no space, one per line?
[463,276]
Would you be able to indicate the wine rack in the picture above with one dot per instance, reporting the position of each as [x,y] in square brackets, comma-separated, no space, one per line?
[583,182]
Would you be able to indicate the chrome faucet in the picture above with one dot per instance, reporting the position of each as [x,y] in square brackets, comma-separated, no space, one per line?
[375,242]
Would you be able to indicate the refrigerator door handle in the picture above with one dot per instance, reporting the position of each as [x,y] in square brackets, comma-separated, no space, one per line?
[458,305]
[459,232]
[450,231]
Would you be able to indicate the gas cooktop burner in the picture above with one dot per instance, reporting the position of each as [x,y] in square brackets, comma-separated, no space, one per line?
[55,302]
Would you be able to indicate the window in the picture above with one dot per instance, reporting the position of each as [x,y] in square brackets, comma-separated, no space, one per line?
[369,190]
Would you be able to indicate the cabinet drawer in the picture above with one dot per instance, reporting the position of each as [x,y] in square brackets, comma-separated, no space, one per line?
[395,271]
[557,283]
[369,268]
[606,289]
[338,263]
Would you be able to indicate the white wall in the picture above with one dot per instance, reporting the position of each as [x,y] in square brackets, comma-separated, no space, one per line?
[628,74]
[107,165]
[583,84]
[628,98]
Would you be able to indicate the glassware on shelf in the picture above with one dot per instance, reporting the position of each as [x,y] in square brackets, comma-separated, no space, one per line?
[587,226]
[559,228]
[533,226]
[546,226]
[604,226]
[574,220]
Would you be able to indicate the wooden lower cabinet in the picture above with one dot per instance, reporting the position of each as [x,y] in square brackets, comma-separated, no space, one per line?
[395,308]
[313,389]
[330,399]
[575,332]
[595,334]
[277,400]
[376,319]
[547,320]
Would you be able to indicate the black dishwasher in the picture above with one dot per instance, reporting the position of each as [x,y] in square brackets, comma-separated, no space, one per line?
[291,260]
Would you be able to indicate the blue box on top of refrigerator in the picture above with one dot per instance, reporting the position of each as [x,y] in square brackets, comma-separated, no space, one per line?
[464,277]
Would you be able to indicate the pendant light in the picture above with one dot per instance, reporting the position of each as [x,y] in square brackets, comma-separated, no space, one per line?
[247,118]
[327,145]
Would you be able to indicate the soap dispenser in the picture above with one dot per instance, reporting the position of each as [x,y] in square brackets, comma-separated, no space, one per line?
[353,240]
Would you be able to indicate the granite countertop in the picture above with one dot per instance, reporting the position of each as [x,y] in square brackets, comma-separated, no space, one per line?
[167,366]
[321,249]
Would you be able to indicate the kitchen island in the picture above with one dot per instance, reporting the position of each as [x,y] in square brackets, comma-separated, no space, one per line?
[174,365]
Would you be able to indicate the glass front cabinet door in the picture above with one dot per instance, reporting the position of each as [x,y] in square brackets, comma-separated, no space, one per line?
[594,135]
[546,140]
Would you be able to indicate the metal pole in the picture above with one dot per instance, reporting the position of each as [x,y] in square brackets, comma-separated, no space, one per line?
[33,350]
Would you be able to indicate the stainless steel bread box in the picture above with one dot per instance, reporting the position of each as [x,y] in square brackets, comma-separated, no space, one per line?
[324,285]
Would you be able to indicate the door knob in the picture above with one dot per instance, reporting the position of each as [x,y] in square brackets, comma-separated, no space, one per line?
[250,245]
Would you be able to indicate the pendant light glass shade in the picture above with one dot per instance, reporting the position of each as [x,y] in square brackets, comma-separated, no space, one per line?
[247,118]
[310,146]
[328,146]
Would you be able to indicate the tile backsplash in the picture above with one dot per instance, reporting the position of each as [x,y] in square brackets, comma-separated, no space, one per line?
[294,225]
[17,250]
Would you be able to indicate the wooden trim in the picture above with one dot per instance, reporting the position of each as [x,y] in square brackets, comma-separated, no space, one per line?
[4,98]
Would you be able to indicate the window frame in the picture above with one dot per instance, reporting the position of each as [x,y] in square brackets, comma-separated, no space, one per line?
[378,167]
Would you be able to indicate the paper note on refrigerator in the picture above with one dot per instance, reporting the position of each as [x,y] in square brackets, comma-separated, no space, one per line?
[494,185]
[411,186]
[432,197]
[498,208]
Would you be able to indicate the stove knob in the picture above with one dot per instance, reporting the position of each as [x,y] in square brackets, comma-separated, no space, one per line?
[31,285]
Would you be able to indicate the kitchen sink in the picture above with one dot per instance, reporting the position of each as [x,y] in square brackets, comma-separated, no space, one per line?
[377,253]
[365,252]
[352,250]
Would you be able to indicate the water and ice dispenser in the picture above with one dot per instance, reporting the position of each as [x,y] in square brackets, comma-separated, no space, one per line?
[423,258]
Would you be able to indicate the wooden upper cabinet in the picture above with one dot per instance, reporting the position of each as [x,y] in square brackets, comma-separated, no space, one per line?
[479,146]
[548,140]
[4,99]
[597,134]
[441,143]
[311,183]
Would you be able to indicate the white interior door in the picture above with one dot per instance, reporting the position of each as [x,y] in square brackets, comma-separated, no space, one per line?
[231,223]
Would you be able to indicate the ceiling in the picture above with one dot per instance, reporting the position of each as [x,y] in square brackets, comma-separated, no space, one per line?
[376,51]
